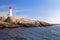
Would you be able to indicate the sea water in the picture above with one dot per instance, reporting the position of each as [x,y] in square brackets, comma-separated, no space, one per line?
[43,33]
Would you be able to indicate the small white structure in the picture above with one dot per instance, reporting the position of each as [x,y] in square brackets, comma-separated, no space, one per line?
[10,11]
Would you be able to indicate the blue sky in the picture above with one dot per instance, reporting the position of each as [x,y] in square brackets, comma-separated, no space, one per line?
[45,10]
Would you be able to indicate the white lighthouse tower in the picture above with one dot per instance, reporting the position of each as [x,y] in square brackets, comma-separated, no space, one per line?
[10,11]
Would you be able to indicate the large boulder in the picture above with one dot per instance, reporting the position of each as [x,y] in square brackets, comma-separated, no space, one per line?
[11,19]
[2,18]
[45,24]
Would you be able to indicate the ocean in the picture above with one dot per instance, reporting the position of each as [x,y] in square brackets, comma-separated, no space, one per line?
[41,33]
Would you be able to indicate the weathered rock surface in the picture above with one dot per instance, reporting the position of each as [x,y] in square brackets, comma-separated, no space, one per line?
[13,22]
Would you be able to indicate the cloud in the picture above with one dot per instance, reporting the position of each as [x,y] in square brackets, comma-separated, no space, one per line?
[21,10]
[55,19]
[21,15]
[4,13]
[3,6]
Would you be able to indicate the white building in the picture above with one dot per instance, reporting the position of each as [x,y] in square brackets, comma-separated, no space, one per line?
[10,11]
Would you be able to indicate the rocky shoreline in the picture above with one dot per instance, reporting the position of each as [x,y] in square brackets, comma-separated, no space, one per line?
[13,22]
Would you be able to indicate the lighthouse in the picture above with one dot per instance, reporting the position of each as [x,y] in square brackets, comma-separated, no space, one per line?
[10,11]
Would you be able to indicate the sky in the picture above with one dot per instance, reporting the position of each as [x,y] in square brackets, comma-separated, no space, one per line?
[45,10]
